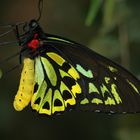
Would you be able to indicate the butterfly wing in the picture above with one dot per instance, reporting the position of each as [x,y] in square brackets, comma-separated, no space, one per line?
[69,75]
[104,86]
[56,84]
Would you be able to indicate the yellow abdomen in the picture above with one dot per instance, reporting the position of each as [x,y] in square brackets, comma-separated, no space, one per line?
[26,87]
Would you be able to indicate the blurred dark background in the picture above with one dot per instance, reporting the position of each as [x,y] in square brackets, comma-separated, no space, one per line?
[110,27]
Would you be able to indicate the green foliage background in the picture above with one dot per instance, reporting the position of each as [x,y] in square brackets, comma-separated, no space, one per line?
[110,27]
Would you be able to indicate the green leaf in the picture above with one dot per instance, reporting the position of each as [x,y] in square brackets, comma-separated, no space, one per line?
[93,10]
[108,15]
[109,7]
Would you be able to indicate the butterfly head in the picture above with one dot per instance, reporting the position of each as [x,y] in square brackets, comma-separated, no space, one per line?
[31,39]
[32,35]
[33,24]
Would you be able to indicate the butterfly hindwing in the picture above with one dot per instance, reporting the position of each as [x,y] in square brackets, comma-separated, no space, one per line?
[56,84]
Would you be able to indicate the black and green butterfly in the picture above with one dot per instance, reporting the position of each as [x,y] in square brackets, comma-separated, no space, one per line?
[60,75]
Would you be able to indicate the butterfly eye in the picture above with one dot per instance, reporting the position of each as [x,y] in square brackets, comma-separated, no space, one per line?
[33,24]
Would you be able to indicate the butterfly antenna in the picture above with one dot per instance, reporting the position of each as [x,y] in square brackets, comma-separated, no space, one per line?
[5,33]
[7,43]
[40,8]
[13,27]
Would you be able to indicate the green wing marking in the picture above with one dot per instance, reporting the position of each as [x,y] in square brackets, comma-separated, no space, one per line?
[40,83]
[50,71]
[60,39]
[97,101]
[87,73]
[107,79]
[133,86]
[115,93]
[112,69]
[93,88]
[84,101]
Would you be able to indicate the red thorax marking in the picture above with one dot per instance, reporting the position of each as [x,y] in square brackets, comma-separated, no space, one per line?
[34,43]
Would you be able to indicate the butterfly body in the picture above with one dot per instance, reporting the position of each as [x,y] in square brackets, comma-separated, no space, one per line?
[25,91]
[69,76]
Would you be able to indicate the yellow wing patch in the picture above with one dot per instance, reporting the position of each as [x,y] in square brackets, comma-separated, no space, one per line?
[57,58]
[76,89]
[67,95]
[58,102]
[73,73]
[60,61]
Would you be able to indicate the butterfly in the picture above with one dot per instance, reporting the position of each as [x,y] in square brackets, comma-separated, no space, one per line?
[60,75]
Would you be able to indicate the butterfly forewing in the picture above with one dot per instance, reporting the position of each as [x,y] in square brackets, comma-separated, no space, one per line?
[105,86]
